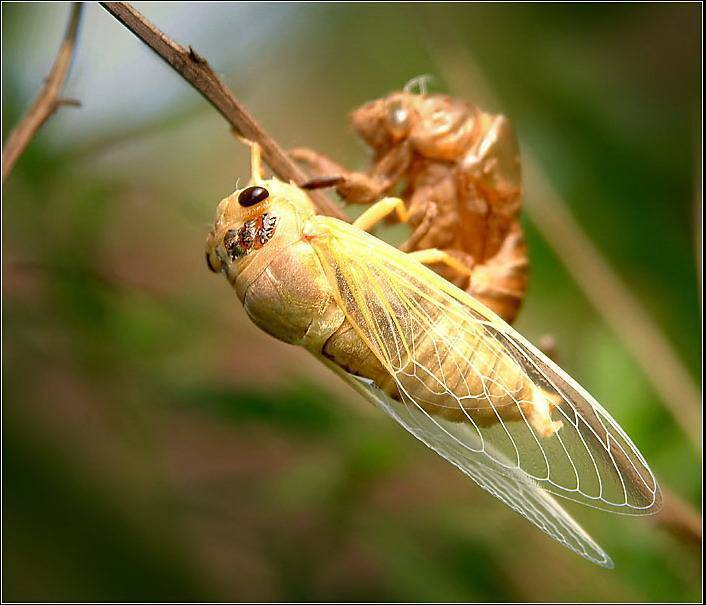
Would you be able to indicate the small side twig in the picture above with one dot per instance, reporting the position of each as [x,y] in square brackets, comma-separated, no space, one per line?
[48,100]
[194,68]
[679,518]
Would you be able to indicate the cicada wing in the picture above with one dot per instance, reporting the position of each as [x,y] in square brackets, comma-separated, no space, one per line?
[513,487]
[443,350]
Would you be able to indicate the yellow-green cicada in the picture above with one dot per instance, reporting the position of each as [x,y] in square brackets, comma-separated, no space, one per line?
[445,367]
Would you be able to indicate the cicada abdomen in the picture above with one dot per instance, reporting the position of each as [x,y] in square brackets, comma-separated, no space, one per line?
[452,366]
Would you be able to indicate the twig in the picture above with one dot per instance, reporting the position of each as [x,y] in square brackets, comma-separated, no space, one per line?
[679,518]
[196,71]
[48,99]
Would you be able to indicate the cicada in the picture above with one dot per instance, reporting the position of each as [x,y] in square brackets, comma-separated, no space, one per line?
[443,365]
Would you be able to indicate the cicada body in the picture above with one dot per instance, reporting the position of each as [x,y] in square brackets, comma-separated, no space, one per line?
[447,368]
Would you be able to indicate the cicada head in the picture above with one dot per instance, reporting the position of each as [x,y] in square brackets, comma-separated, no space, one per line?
[256,222]
[385,122]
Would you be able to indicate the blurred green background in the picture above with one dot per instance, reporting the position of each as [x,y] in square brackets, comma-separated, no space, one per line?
[157,446]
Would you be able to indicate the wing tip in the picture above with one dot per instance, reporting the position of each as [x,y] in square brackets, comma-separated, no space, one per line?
[650,506]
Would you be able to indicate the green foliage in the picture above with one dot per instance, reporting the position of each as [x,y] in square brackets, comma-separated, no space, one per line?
[300,407]
[157,446]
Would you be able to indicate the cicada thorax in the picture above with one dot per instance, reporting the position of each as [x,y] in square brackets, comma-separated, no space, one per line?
[291,299]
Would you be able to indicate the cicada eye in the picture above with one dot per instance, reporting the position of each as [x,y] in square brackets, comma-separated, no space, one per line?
[252,195]
[209,263]
[398,120]
[399,116]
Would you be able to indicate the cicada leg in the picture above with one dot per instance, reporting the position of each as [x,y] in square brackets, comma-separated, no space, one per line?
[379,210]
[499,283]
[355,187]
[317,163]
[433,256]
[257,170]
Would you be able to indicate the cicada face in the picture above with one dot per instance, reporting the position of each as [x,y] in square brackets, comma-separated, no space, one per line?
[388,121]
[438,126]
[255,222]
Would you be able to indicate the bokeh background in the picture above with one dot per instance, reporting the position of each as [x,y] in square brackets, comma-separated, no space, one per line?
[157,446]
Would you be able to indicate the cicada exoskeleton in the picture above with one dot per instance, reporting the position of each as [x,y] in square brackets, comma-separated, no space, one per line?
[460,171]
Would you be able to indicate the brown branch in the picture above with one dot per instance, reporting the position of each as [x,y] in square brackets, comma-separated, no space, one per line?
[196,71]
[48,100]
[679,518]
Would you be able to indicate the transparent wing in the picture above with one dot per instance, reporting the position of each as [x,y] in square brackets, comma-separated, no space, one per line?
[513,487]
[462,375]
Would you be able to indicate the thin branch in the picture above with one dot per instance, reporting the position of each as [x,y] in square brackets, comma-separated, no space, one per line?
[679,518]
[196,71]
[48,100]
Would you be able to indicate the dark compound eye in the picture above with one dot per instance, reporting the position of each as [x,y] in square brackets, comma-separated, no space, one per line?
[209,264]
[252,196]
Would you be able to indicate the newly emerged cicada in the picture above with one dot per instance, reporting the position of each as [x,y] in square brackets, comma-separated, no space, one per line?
[444,366]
